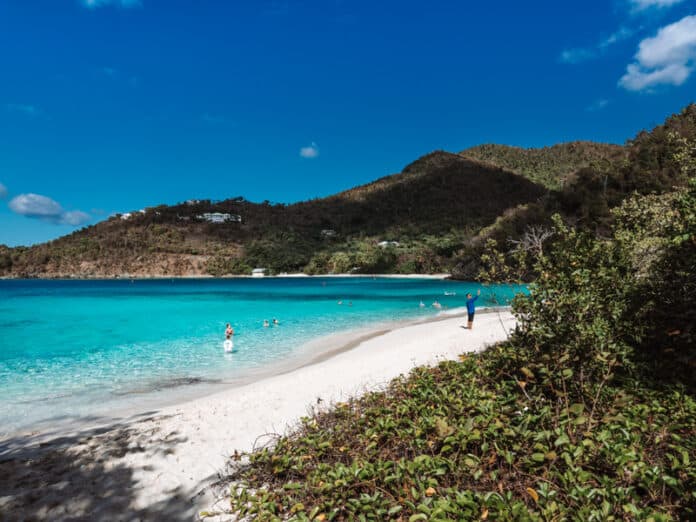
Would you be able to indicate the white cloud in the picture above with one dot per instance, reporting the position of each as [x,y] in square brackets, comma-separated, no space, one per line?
[35,205]
[75,218]
[312,151]
[3,191]
[622,33]
[94,4]
[46,209]
[637,79]
[664,59]
[640,5]
[582,54]
[30,111]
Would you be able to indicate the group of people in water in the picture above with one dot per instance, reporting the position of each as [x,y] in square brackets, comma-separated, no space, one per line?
[470,310]
[229,332]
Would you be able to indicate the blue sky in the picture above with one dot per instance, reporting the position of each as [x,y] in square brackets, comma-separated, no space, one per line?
[114,105]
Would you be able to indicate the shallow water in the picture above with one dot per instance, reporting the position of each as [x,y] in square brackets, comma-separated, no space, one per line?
[71,349]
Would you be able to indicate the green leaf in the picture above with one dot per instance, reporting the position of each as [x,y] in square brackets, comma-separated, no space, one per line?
[560,441]
[577,408]
[527,372]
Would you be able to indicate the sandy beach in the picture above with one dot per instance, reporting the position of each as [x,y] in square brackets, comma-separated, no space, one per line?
[161,465]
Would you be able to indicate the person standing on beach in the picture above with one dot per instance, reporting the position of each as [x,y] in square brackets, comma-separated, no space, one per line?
[471,308]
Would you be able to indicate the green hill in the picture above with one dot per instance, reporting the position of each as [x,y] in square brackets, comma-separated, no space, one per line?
[549,166]
[435,216]
[447,193]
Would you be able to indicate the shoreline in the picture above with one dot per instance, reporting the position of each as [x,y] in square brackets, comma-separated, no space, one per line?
[190,388]
[125,277]
[164,458]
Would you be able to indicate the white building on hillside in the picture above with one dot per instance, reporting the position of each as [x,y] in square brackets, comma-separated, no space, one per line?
[258,272]
[385,244]
[219,217]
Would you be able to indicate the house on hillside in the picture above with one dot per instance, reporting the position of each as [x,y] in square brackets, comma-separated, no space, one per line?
[258,272]
[386,244]
[129,215]
[219,217]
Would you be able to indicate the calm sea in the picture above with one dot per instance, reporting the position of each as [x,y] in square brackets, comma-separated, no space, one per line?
[79,350]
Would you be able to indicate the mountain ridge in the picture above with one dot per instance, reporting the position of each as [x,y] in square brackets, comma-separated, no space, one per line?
[434,215]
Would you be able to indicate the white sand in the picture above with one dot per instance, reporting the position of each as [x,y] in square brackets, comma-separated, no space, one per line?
[158,465]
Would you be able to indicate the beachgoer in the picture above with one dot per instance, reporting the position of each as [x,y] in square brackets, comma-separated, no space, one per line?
[436,304]
[265,323]
[275,322]
[471,308]
[422,304]
[229,331]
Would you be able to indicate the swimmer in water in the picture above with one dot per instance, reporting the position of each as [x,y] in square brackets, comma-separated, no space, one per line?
[422,304]
[229,331]
[265,323]
[275,322]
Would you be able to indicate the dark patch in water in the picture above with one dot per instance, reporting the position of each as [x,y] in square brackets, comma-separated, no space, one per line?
[166,384]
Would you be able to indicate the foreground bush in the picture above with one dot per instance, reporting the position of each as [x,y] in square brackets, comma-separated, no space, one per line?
[460,442]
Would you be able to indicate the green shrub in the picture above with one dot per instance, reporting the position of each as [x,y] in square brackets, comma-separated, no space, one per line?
[458,442]
[223,265]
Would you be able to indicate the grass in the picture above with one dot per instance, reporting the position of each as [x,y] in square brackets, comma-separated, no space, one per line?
[462,441]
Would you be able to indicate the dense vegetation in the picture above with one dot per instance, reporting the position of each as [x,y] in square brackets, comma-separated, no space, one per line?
[587,412]
[548,166]
[590,194]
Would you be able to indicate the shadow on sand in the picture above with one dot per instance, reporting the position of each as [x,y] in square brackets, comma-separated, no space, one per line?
[81,476]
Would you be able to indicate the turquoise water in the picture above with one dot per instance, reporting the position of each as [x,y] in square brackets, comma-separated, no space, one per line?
[76,349]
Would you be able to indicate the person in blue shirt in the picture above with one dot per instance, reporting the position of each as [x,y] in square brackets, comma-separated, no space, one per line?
[471,308]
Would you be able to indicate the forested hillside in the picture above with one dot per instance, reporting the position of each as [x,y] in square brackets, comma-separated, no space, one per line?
[549,166]
[435,216]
